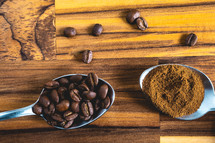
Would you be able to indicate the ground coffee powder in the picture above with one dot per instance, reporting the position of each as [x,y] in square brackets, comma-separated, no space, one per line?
[174,89]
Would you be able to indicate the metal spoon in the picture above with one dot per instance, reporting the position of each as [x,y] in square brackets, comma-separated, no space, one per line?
[208,103]
[25,111]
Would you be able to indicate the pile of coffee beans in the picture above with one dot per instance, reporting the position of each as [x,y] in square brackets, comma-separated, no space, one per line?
[134,17]
[68,101]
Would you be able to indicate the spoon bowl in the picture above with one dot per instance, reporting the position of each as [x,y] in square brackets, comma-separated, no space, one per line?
[25,111]
[208,103]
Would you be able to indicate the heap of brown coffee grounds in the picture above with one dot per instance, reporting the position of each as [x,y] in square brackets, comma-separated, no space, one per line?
[174,89]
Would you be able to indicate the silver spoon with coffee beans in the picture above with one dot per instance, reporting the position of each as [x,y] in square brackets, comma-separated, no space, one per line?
[69,101]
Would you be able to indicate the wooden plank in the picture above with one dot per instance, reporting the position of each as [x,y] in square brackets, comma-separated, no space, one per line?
[190,139]
[131,118]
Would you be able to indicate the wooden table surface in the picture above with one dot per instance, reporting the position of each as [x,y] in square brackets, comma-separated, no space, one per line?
[31,55]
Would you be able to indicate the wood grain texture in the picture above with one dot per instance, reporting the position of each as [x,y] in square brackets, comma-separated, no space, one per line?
[131,117]
[190,139]
[30,25]
[169,23]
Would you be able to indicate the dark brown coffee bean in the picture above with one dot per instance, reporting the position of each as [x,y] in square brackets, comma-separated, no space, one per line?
[103,90]
[68,124]
[87,56]
[89,95]
[52,123]
[57,117]
[70,115]
[51,85]
[97,30]
[97,105]
[62,124]
[54,96]
[132,15]
[64,81]
[69,32]
[37,109]
[71,86]
[63,105]
[49,110]
[84,118]
[74,106]
[92,80]
[75,78]
[105,103]
[62,91]
[191,39]
[83,87]
[141,23]
[44,101]
[87,108]
[74,94]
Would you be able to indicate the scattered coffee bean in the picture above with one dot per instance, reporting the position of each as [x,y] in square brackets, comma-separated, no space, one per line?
[74,94]
[63,105]
[97,30]
[44,101]
[37,109]
[87,108]
[132,15]
[103,90]
[141,23]
[105,103]
[87,56]
[51,85]
[191,39]
[69,32]
[54,96]
[89,95]
[75,107]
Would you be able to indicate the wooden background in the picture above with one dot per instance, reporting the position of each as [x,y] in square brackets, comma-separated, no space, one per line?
[29,58]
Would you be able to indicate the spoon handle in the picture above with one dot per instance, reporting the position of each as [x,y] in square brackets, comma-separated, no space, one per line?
[25,111]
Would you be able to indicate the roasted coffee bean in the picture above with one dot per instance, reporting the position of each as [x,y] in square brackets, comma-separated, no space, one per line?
[74,94]
[68,115]
[105,103]
[74,106]
[68,124]
[141,23]
[132,15]
[103,90]
[83,87]
[44,101]
[75,78]
[97,105]
[62,91]
[51,85]
[62,124]
[52,123]
[37,109]
[63,105]
[49,110]
[54,96]
[70,32]
[191,39]
[71,86]
[63,81]
[89,95]
[57,117]
[87,56]
[97,30]
[84,118]
[92,80]
[87,108]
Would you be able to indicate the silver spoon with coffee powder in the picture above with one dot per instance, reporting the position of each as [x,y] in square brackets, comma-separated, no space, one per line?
[25,111]
[208,103]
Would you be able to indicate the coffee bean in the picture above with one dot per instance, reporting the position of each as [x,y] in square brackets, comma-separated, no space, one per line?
[70,32]
[63,123]
[37,109]
[89,95]
[68,124]
[87,56]
[49,110]
[63,105]
[75,78]
[97,105]
[71,86]
[97,30]
[57,117]
[92,80]
[74,106]
[51,84]
[52,123]
[105,103]
[84,118]
[103,90]
[62,91]
[68,115]
[141,23]
[132,15]
[64,81]
[54,96]
[44,101]
[83,87]
[87,108]
[191,39]
[74,94]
